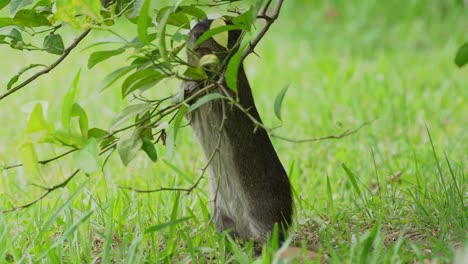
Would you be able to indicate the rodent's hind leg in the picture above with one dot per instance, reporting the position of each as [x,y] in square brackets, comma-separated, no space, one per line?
[224,222]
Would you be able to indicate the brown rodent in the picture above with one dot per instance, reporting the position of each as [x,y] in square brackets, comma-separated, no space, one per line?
[251,189]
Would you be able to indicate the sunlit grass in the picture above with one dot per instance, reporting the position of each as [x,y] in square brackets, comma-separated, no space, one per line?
[401,199]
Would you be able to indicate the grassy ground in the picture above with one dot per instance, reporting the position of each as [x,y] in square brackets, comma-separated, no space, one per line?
[395,192]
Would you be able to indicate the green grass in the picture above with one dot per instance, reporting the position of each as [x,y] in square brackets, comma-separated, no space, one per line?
[394,192]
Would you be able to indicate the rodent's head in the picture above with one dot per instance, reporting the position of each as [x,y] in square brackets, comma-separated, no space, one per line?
[210,46]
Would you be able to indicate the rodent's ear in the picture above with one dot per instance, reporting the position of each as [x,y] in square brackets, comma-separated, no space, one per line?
[198,30]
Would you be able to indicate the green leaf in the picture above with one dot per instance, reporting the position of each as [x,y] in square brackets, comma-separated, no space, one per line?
[3,3]
[162,36]
[66,137]
[232,69]
[12,81]
[15,35]
[462,55]
[15,5]
[142,80]
[193,11]
[101,135]
[174,129]
[108,16]
[195,73]
[99,56]
[128,113]
[15,78]
[143,22]
[114,76]
[28,157]
[144,121]
[177,19]
[97,133]
[171,246]
[66,12]
[208,59]
[78,111]
[29,18]
[90,8]
[352,178]
[104,43]
[221,38]
[329,193]
[69,10]
[68,101]
[87,158]
[6,21]
[204,99]
[367,244]
[122,5]
[43,6]
[246,19]
[37,121]
[53,44]
[133,10]
[279,102]
[159,227]
[128,148]
[214,31]
[149,149]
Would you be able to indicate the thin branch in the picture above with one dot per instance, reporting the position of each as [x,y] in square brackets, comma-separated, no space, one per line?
[270,19]
[216,3]
[48,190]
[342,135]
[43,162]
[265,8]
[66,52]
[259,124]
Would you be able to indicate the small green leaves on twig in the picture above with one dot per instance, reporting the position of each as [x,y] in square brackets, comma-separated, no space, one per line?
[49,68]
[15,78]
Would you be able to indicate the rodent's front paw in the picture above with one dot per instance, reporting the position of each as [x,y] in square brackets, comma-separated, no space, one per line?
[189,88]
